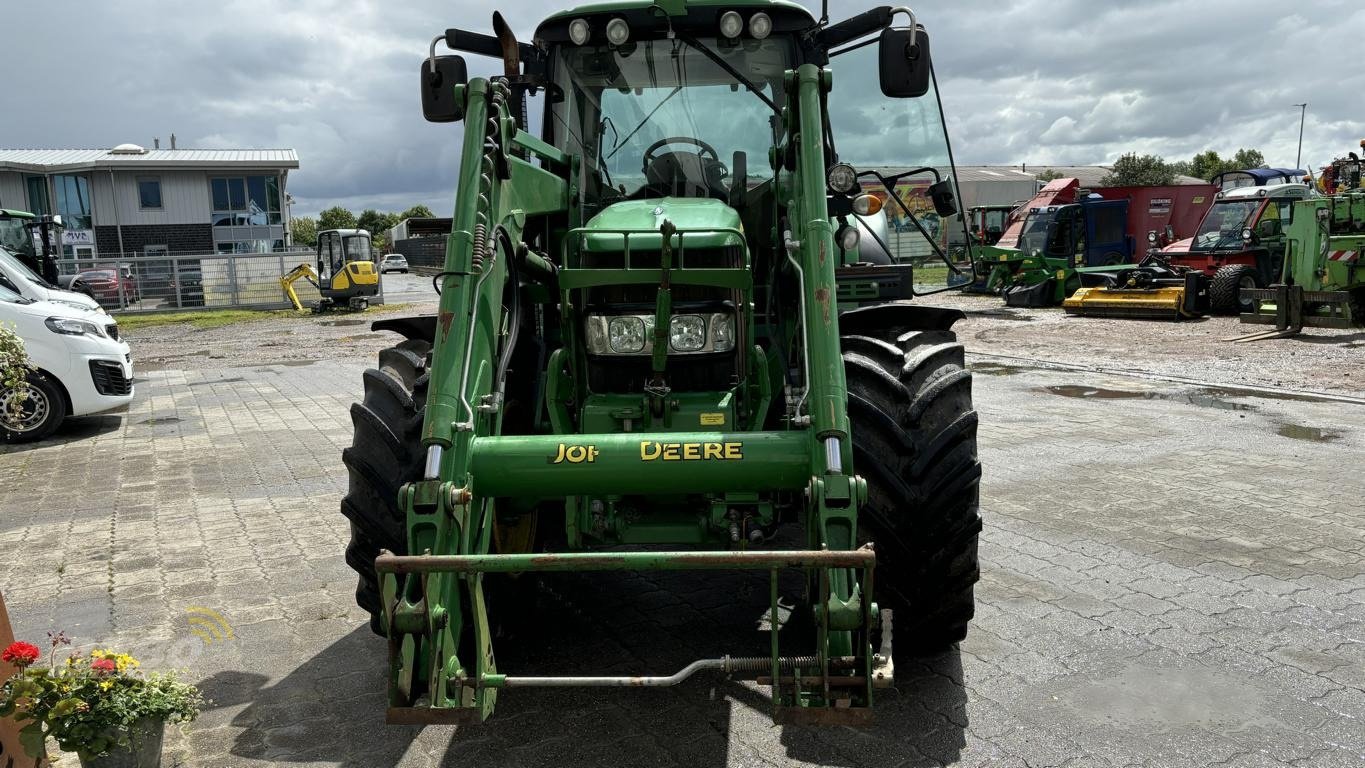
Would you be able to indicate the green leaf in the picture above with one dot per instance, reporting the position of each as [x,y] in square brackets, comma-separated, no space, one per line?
[66,707]
[33,740]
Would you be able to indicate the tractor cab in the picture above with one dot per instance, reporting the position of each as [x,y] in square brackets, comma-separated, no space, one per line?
[986,223]
[1240,242]
[1258,177]
[35,240]
[1090,233]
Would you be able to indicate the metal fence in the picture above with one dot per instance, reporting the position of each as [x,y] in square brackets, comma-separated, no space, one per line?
[142,283]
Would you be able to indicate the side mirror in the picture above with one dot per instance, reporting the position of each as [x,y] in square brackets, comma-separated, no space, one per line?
[440,75]
[1170,233]
[1268,228]
[945,201]
[903,61]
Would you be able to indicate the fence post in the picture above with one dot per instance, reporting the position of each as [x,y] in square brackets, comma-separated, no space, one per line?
[232,280]
[175,280]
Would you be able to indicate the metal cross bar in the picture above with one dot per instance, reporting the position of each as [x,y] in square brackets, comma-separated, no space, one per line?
[625,561]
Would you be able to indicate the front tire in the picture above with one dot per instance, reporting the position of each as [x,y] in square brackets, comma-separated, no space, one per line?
[1225,294]
[39,413]
[385,453]
[914,440]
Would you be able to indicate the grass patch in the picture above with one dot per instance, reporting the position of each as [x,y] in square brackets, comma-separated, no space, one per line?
[209,318]
[218,318]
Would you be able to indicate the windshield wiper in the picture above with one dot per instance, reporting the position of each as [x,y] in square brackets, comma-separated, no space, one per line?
[732,72]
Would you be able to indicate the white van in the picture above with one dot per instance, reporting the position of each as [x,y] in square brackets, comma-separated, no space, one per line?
[82,366]
[18,277]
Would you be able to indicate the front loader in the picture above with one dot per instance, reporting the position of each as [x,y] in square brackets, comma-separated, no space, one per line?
[656,345]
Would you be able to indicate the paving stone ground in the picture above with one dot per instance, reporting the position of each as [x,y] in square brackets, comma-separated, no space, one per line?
[1172,576]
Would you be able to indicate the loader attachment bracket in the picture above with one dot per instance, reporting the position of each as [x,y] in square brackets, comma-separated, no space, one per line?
[818,687]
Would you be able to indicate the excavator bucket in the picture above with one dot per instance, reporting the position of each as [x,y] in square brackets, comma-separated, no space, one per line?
[1157,300]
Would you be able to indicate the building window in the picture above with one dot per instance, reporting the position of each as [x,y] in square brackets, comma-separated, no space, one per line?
[37,195]
[73,201]
[240,201]
[149,192]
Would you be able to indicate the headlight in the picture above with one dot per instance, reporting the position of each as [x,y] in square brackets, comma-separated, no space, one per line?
[70,327]
[722,332]
[842,178]
[687,333]
[760,25]
[848,238]
[1151,238]
[578,31]
[634,334]
[626,334]
[731,24]
[618,31]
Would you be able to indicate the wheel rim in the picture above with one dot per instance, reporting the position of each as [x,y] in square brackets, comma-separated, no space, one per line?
[33,410]
[1247,282]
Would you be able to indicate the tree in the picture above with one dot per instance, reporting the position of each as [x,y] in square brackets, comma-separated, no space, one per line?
[376,223]
[417,212]
[305,230]
[1248,158]
[1208,164]
[1134,170]
[1048,175]
[336,217]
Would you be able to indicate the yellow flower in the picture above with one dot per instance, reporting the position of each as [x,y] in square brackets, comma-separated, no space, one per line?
[106,685]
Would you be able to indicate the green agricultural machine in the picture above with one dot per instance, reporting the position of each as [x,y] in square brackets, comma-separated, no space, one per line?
[641,359]
[1323,280]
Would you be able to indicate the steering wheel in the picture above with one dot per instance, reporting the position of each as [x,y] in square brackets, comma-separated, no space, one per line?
[703,148]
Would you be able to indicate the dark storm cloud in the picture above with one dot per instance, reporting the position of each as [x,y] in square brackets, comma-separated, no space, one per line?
[1037,81]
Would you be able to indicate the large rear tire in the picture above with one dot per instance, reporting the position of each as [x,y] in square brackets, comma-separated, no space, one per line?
[385,453]
[1225,294]
[914,440]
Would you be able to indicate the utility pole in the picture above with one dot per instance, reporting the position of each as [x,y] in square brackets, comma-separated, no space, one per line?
[1303,112]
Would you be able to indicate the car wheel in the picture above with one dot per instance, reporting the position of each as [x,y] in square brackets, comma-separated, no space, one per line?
[40,411]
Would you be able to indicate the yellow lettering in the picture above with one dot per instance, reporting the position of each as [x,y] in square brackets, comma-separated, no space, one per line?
[692,451]
[576,454]
[734,451]
[711,451]
[559,455]
[592,453]
[649,451]
[671,452]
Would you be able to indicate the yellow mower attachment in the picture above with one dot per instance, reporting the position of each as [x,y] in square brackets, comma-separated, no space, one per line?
[1152,291]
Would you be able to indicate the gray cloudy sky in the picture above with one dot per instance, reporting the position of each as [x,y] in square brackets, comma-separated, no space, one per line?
[1036,81]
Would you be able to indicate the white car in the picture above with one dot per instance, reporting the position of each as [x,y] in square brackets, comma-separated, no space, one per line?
[20,278]
[393,262]
[82,366]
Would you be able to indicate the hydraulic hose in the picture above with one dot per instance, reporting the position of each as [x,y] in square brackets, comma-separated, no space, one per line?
[514,280]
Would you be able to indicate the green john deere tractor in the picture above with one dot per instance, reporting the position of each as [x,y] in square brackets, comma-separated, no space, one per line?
[657,343]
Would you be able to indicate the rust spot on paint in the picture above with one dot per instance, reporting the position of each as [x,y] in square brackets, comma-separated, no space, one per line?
[446,318]
[822,296]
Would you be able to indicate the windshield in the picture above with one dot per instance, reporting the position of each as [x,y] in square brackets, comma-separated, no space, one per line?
[1222,226]
[10,296]
[13,264]
[1033,237]
[663,118]
[15,236]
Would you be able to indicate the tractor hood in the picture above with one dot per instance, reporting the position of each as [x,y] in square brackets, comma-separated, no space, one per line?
[703,222]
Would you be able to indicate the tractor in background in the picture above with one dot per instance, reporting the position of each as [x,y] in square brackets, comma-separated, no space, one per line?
[345,275]
[644,357]
[1240,244]
[1322,282]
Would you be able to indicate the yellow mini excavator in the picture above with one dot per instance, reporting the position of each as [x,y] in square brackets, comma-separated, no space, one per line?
[345,275]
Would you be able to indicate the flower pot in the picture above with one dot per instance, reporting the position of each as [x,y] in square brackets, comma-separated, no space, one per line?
[143,749]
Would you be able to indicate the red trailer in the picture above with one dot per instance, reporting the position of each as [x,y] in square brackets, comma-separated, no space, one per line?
[1171,212]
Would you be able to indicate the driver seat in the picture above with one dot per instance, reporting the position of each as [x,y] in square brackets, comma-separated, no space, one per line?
[676,174]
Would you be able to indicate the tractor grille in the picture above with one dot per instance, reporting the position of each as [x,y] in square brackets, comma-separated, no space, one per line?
[111,330]
[109,378]
[727,257]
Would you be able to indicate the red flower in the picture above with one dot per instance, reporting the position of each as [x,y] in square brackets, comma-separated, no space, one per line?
[21,654]
[104,665]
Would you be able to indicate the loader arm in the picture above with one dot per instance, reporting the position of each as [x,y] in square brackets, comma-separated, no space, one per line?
[301,272]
